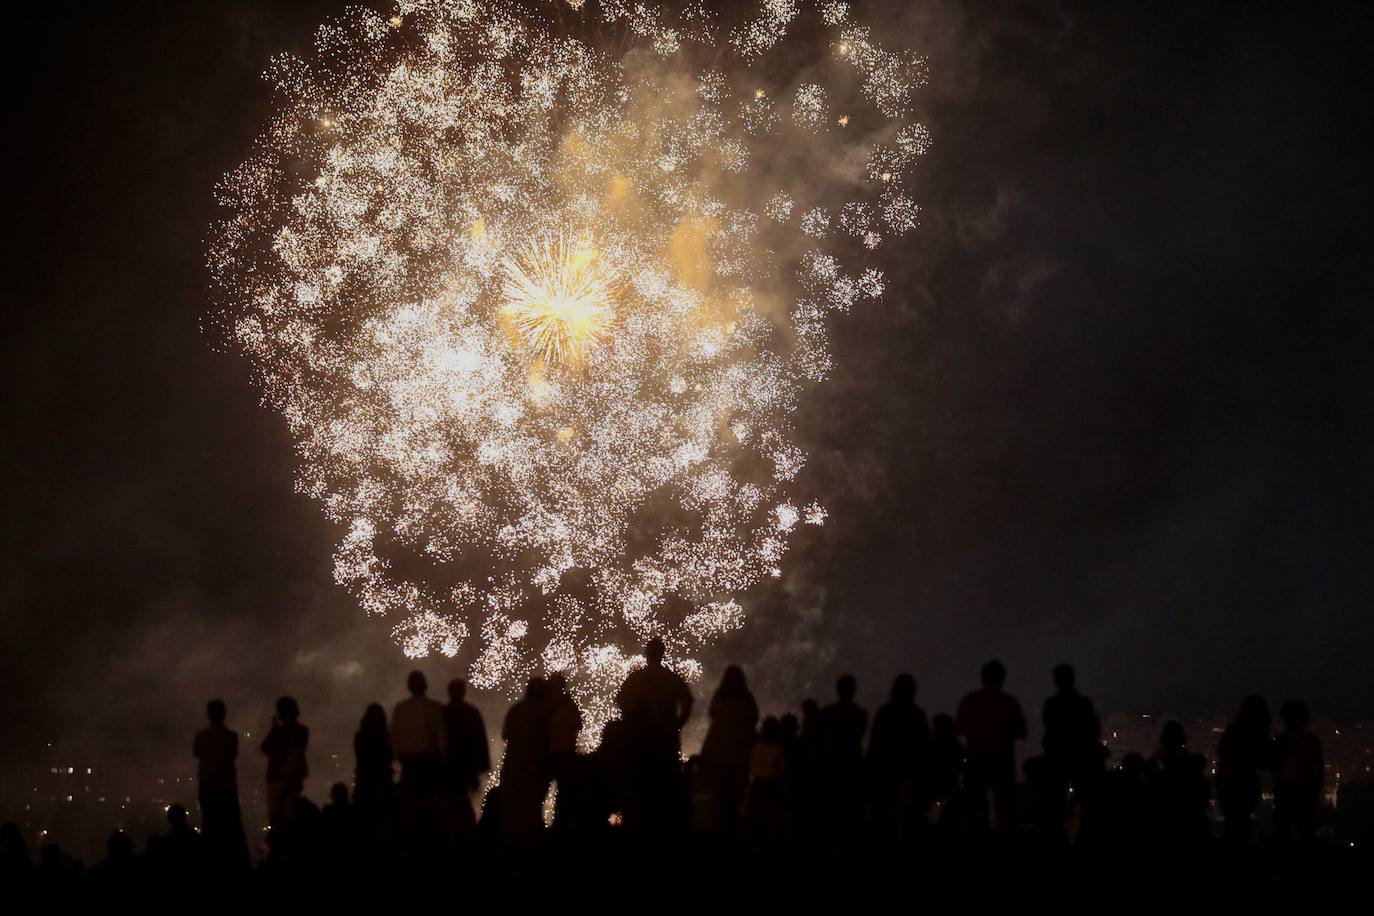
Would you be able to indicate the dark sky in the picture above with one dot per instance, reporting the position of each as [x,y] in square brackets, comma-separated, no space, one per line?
[1116,409]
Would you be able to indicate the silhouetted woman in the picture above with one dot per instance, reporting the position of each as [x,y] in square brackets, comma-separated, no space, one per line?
[1244,750]
[373,789]
[725,752]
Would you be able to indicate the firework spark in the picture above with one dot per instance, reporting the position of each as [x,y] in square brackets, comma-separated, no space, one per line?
[558,300]
[456,204]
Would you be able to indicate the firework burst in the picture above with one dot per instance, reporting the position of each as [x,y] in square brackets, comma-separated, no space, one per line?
[537,287]
[558,300]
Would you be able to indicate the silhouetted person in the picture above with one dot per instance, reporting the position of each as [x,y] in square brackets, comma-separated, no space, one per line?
[1176,793]
[1125,805]
[14,854]
[840,729]
[374,790]
[765,811]
[308,845]
[118,872]
[1298,772]
[563,727]
[417,738]
[1073,752]
[897,752]
[215,748]
[991,722]
[1245,749]
[339,823]
[176,853]
[725,752]
[524,766]
[654,703]
[466,754]
[285,747]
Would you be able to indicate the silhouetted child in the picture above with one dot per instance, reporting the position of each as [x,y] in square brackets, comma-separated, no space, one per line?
[765,811]
[339,824]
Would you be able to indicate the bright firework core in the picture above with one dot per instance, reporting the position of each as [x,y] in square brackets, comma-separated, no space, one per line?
[558,300]
[538,297]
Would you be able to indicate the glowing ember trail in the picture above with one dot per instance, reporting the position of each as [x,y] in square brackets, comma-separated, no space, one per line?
[537,287]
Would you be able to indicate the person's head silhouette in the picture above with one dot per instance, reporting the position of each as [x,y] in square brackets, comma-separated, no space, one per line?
[654,650]
[457,690]
[287,709]
[903,689]
[416,683]
[1063,677]
[215,711]
[846,687]
[558,682]
[1293,714]
[1254,714]
[120,845]
[338,793]
[1172,737]
[733,682]
[374,718]
[176,816]
[994,675]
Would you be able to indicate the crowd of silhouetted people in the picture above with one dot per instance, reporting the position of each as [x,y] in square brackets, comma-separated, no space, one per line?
[831,780]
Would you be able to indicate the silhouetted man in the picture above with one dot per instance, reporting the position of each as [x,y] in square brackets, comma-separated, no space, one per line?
[1244,750]
[654,703]
[417,738]
[525,765]
[897,756]
[840,731]
[991,723]
[285,746]
[1073,753]
[466,754]
[215,748]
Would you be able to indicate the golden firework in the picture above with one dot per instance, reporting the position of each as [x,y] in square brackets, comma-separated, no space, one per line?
[558,300]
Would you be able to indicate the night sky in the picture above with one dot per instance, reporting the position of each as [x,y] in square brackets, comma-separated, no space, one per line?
[1116,408]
